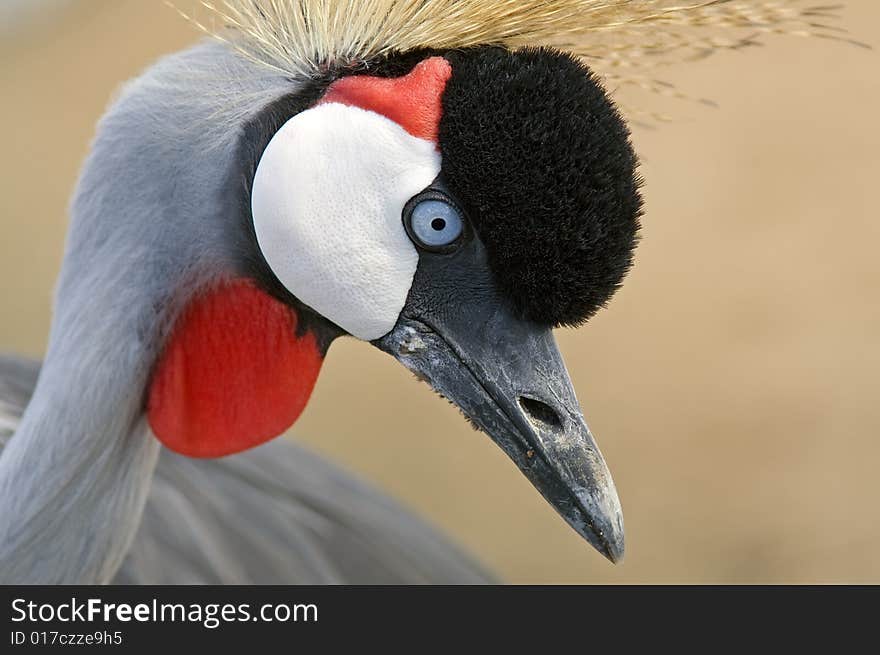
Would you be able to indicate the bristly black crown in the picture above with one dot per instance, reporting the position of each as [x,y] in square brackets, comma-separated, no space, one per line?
[542,161]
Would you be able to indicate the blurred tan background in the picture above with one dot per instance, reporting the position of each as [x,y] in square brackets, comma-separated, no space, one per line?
[733,384]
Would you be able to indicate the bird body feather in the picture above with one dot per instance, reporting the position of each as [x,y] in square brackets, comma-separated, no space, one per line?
[275,514]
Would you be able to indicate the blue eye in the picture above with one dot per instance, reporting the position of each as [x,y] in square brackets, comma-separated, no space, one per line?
[434,224]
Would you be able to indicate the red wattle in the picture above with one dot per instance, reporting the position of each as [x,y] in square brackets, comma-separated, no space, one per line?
[233,374]
[413,101]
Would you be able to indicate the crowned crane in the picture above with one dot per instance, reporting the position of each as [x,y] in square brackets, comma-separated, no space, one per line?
[437,179]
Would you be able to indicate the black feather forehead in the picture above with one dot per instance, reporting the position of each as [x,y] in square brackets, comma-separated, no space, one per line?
[542,162]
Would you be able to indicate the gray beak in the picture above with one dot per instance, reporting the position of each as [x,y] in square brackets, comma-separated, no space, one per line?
[508,378]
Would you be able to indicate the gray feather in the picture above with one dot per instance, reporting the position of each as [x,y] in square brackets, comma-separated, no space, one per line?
[18,377]
[276,514]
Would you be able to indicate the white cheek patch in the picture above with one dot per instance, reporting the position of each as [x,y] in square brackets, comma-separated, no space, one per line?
[327,201]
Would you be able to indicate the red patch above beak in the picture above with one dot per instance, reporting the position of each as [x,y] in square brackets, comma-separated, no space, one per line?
[233,374]
[413,101]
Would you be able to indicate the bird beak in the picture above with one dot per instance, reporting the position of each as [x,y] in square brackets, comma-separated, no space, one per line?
[508,378]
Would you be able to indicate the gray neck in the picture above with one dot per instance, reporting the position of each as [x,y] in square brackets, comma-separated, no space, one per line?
[150,223]
[73,482]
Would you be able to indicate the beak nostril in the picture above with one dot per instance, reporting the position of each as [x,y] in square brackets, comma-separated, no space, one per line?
[539,412]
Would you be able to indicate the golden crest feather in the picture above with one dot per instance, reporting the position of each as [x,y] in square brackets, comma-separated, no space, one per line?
[624,41]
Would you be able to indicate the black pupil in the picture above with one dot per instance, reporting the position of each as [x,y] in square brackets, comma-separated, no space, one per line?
[438,224]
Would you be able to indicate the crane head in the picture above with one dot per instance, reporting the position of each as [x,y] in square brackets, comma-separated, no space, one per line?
[451,208]
[453,215]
